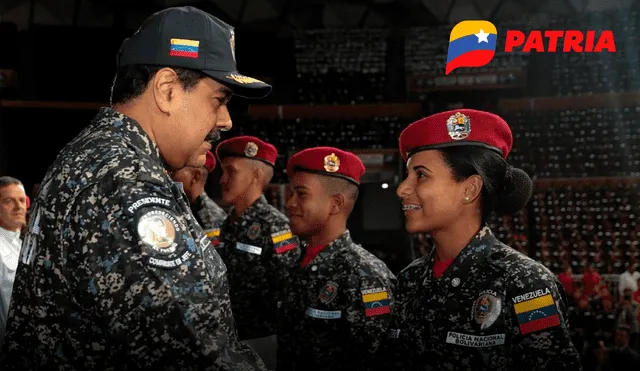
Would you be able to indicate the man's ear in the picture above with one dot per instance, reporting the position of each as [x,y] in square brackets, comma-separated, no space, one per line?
[258,175]
[337,203]
[163,87]
[196,176]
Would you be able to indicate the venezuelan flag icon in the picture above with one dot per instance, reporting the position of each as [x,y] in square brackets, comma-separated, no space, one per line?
[184,48]
[471,44]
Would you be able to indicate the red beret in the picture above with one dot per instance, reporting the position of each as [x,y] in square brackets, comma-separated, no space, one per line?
[327,161]
[465,127]
[249,147]
[210,164]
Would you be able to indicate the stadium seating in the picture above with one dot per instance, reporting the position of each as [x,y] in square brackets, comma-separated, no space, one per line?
[577,143]
[579,225]
[340,66]
[586,73]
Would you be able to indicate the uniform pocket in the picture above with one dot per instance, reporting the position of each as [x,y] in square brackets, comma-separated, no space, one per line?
[323,326]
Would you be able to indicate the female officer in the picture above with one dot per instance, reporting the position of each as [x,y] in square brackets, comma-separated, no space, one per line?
[472,303]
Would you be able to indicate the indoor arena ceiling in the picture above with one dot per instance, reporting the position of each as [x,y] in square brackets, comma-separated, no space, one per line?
[295,14]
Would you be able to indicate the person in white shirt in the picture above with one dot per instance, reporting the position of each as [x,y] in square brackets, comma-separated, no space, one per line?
[629,279]
[13,213]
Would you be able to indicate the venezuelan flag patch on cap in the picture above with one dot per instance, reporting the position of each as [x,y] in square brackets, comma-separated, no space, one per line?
[184,48]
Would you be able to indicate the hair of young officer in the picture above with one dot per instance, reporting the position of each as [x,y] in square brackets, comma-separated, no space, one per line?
[8,180]
[334,186]
[505,189]
[131,81]
[265,169]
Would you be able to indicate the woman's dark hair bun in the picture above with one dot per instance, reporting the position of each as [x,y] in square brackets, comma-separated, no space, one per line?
[516,192]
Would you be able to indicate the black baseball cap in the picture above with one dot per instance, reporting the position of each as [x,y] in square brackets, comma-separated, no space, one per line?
[188,37]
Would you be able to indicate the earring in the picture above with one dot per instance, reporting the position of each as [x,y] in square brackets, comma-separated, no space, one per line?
[467,199]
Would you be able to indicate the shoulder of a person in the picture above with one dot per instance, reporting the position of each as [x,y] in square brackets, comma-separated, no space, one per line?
[275,221]
[88,163]
[268,212]
[83,172]
[363,263]
[414,270]
[124,194]
[366,272]
[519,270]
[513,262]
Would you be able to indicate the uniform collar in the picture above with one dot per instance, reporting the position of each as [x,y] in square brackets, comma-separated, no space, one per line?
[200,201]
[258,204]
[130,131]
[467,263]
[337,246]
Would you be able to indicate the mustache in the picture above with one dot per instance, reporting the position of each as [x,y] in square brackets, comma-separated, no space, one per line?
[213,136]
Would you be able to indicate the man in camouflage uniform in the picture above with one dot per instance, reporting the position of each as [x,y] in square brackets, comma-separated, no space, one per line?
[115,273]
[256,242]
[193,179]
[337,305]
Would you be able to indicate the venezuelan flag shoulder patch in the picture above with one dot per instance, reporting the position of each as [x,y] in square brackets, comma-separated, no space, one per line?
[283,241]
[536,311]
[376,301]
[214,235]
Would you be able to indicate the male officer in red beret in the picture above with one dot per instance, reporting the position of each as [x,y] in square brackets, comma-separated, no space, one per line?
[256,242]
[337,304]
[206,211]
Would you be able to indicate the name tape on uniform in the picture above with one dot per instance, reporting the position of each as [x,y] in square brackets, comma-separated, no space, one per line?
[536,310]
[475,341]
[148,201]
[249,248]
[323,314]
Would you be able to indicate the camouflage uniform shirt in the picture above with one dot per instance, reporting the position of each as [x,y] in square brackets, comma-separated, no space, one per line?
[208,214]
[336,310]
[259,251]
[492,309]
[115,273]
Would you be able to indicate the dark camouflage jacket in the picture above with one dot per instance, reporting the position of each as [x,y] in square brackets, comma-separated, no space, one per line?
[335,311]
[492,309]
[259,251]
[208,213]
[118,275]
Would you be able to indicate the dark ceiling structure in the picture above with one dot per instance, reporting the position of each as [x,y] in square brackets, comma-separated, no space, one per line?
[296,14]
